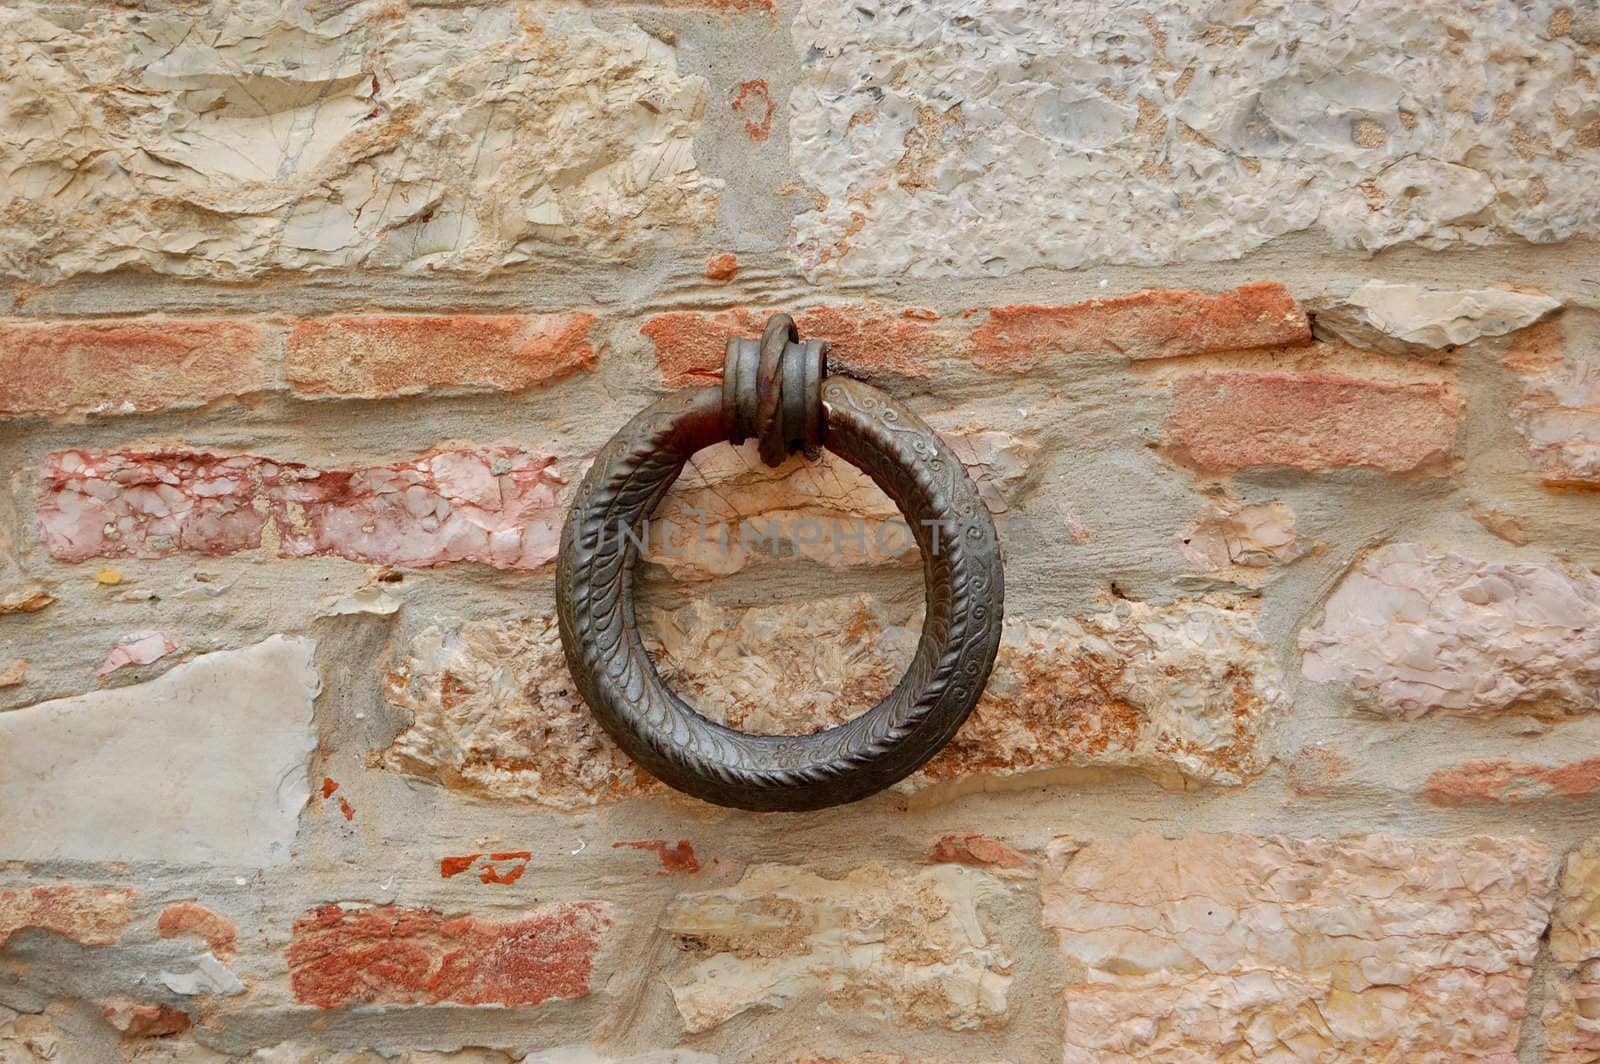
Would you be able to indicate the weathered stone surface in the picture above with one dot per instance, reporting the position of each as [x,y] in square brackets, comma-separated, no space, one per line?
[1184,689]
[28,1038]
[781,670]
[1245,948]
[204,764]
[90,916]
[381,355]
[125,367]
[589,1056]
[1233,539]
[494,712]
[728,510]
[1509,782]
[1416,630]
[875,1058]
[934,139]
[231,140]
[495,505]
[1572,997]
[394,955]
[1408,319]
[1227,421]
[908,947]
[1146,325]
[311,1053]
[1181,689]
[1558,413]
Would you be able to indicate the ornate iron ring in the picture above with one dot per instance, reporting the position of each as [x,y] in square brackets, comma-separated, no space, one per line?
[774,390]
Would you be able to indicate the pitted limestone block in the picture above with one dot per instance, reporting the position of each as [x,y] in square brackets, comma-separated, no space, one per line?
[244,137]
[984,139]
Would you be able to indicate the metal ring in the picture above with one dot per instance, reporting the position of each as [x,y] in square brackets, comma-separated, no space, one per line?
[964,589]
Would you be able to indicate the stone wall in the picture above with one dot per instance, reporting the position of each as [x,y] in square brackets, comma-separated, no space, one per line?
[1270,331]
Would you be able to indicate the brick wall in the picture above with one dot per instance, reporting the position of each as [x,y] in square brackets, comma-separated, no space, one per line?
[1270,332]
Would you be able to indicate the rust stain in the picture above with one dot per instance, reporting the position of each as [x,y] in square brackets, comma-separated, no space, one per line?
[491,874]
[674,858]
[759,98]
[489,871]
[1509,782]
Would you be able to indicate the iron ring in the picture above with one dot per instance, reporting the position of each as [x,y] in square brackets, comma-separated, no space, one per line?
[962,576]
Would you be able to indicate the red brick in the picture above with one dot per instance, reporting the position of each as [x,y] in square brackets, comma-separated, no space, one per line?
[192,918]
[674,858]
[125,367]
[137,1020]
[1145,325]
[755,100]
[91,916]
[978,851]
[373,356]
[1505,781]
[722,267]
[495,505]
[869,340]
[1311,421]
[393,955]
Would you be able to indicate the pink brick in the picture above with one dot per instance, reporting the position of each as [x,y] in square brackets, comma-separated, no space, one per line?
[1509,782]
[124,367]
[1241,947]
[495,505]
[394,955]
[92,916]
[192,918]
[690,345]
[379,355]
[1144,325]
[1311,421]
